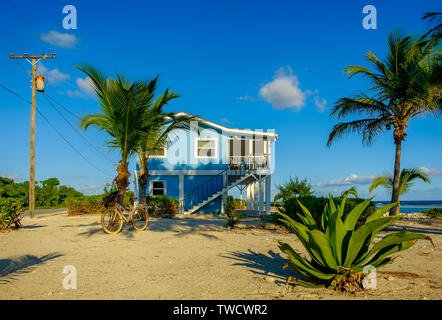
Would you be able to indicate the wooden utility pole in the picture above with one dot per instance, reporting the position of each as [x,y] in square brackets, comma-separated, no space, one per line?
[33,61]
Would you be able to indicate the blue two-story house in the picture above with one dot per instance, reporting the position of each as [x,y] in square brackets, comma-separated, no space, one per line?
[200,165]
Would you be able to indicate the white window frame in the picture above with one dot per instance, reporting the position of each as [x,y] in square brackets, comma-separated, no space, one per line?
[151,187]
[162,156]
[206,157]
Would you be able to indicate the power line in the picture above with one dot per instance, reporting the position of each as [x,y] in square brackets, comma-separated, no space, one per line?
[73,127]
[67,141]
[66,109]
[58,132]
[14,93]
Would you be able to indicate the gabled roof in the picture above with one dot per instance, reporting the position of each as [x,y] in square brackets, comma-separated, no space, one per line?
[232,130]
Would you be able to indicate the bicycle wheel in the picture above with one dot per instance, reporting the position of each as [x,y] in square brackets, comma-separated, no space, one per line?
[111,221]
[140,219]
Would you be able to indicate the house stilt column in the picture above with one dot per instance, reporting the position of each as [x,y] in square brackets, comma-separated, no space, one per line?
[268,188]
[261,195]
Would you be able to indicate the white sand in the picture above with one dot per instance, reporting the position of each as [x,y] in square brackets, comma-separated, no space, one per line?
[183,258]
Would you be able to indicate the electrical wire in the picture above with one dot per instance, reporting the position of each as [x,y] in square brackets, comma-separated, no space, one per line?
[55,129]
[75,129]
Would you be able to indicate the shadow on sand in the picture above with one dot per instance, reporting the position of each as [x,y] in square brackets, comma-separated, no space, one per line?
[269,264]
[12,267]
[420,229]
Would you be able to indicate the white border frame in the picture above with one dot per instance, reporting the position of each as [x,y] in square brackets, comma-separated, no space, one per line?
[208,138]
[151,186]
[160,157]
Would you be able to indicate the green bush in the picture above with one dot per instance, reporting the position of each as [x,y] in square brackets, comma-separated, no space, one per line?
[162,206]
[340,252]
[85,205]
[433,212]
[10,213]
[232,217]
[317,204]
[48,193]
[91,204]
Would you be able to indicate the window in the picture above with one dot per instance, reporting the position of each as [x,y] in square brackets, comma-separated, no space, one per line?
[158,188]
[206,148]
[161,153]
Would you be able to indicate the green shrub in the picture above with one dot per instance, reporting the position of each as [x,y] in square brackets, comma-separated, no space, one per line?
[317,204]
[433,212]
[340,251]
[162,206]
[10,213]
[232,217]
[91,204]
[85,205]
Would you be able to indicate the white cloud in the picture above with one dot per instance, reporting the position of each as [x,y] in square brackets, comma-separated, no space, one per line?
[85,84]
[283,91]
[352,179]
[246,98]
[14,176]
[53,76]
[77,176]
[225,120]
[73,93]
[91,189]
[431,171]
[56,38]
[321,104]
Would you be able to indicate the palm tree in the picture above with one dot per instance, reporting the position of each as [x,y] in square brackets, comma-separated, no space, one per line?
[406,179]
[435,18]
[122,105]
[293,188]
[352,191]
[407,84]
[157,125]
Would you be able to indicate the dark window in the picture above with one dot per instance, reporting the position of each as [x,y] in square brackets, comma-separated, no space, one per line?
[158,188]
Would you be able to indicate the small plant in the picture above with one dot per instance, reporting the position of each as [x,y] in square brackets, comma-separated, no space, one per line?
[162,206]
[232,217]
[338,249]
[10,213]
[433,212]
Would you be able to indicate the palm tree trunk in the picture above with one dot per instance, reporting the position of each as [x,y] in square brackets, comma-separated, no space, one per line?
[142,178]
[396,176]
[122,180]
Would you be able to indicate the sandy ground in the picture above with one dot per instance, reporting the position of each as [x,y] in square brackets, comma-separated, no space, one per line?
[184,258]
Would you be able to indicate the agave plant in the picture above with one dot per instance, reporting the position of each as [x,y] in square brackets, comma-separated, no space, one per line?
[338,250]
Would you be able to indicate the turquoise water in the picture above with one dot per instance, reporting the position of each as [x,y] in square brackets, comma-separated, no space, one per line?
[414,206]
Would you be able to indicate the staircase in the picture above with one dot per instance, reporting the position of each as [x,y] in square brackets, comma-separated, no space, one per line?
[213,188]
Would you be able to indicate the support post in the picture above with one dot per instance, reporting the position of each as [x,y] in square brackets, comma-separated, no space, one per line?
[268,188]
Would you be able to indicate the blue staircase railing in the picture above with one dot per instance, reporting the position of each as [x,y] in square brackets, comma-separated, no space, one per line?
[210,187]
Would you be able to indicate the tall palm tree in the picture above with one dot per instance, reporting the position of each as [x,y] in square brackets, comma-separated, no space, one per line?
[157,126]
[406,180]
[407,84]
[122,105]
[435,19]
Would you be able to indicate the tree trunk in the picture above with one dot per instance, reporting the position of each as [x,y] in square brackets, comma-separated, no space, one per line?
[142,179]
[397,173]
[122,180]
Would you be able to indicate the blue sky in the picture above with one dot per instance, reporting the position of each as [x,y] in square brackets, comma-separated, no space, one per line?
[244,64]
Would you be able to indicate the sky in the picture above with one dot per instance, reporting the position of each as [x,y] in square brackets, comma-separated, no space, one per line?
[244,64]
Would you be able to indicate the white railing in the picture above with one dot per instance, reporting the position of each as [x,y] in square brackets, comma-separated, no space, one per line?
[253,161]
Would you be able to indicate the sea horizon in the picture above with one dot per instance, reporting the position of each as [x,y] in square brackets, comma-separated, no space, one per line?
[411,206]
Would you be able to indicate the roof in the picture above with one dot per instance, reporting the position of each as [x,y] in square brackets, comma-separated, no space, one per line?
[232,130]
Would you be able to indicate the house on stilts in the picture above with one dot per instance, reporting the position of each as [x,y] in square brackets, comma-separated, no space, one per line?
[201,165]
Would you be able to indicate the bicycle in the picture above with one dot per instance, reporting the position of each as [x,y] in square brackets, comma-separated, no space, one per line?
[112,218]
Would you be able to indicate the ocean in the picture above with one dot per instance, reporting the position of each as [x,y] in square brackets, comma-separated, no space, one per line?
[414,206]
